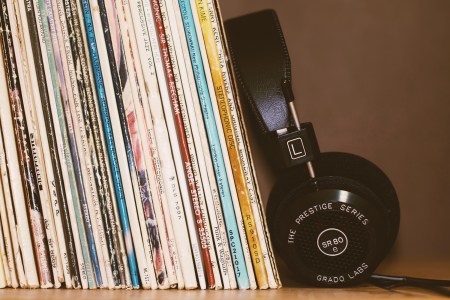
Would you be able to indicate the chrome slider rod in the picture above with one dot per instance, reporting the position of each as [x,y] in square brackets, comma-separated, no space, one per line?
[294,115]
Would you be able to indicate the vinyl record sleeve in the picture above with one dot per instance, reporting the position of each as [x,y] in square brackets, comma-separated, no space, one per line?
[8,221]
[192,136]
[122,175]
[133,139]
[67,157]
[160,143]
[175,143]
[56,197]
[195,113]
[236,144]
[94,142]
[7,270]
[24,152]
[82,169]
[258,211]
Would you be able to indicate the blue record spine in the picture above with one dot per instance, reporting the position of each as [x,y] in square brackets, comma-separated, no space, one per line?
[110,142]
[214,144]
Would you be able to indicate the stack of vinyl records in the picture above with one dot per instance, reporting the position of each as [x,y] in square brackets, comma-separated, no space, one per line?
[124,161]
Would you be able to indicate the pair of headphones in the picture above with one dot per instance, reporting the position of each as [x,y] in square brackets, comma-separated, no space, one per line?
[332,216]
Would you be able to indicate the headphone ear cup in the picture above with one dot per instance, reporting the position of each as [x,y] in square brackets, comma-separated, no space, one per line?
[368,174]
[286,182]
[345,166]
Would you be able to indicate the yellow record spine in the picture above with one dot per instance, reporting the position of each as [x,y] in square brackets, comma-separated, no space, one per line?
[231,139]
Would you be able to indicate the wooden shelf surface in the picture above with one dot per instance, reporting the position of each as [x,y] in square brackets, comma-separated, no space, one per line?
[439,269]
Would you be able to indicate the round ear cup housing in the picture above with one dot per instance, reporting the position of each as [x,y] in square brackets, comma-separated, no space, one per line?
[335,229]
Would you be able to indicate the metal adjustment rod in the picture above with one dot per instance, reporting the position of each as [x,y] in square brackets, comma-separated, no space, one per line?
[294,115]
[289,95]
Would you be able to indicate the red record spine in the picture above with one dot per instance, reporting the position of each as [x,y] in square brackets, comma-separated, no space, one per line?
[175,104]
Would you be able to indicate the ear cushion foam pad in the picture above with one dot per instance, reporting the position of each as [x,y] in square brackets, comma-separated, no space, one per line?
[340,165]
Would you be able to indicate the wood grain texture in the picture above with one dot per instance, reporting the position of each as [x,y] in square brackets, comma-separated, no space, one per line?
[426,268]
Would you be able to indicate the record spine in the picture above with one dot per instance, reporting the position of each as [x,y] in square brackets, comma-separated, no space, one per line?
[21,134]
[223,145]
[222,245]
[125,201]
[234,138]
[218,154]
[159,140]
[57,196]
[258,211]
[6,255]
[192,137]
[3,271]
[6,211]
[175,106]
[174,141]
[90,116]
[133,144]
[47,41]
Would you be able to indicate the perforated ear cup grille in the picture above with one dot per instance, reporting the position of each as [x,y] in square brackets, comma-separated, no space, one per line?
[337,174]
[313,258]
[366,173]
[346,166]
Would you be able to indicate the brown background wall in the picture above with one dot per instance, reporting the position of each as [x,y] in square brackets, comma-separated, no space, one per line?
[374,78]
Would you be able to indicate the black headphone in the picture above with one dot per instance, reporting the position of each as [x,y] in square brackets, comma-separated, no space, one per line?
[332,216]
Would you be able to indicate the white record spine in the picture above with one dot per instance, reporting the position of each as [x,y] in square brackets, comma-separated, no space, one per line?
[174,142]
[150,153]
[223,251]
[6,257]
[229,171]
[160,143]
[96,107]
[129,180]
[4,272]
[200,141]
[61,152]
[28,92]
[54,201]
[80,135]
[11,243]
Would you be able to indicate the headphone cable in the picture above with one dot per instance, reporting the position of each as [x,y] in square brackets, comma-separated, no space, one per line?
[390,282]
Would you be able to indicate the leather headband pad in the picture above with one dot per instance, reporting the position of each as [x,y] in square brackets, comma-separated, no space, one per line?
[263,68]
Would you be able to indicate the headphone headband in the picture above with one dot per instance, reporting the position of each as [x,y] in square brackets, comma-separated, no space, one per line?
[263,71]
[258,47]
